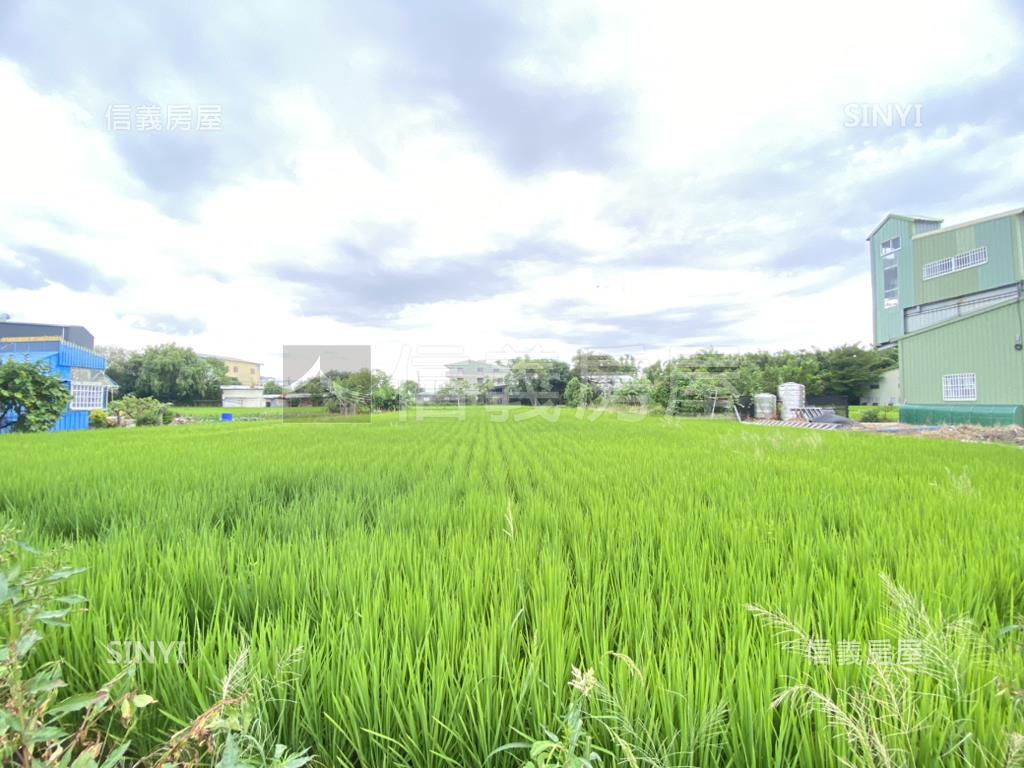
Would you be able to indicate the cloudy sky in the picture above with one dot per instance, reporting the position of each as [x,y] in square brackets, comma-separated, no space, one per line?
[474,179]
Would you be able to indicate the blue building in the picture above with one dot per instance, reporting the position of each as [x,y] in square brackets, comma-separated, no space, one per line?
[68,351]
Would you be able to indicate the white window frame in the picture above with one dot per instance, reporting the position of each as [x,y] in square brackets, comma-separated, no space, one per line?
[892,297]
[88,396]
[960,387]
[891,246]
[947,266]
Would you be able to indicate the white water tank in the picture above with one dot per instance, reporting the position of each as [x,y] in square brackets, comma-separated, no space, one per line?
[764,406]
[791,395]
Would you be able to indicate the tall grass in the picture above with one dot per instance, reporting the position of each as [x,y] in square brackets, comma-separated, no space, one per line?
[443,576]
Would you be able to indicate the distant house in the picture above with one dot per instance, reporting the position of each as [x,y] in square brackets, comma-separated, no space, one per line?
[68,351]
[246,371]
[237,396]
[886,392]
[477,372]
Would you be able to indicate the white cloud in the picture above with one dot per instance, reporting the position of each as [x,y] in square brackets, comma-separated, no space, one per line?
[732,155]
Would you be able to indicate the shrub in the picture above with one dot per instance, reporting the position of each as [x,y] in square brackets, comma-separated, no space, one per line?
[146,411]
[872,415]
[98,419]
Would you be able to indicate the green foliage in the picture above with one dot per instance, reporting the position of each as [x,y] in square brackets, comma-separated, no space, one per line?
[587,364]
[383,394]
[850,370]
[272,388]
[40,727]
[878,719]
[145,411]
[572,394]
[32,398]
[633,393]
[168,373]
[407,392]
[597,713]
[537,381]
[122,366]
[875,413]
[357,391]
[98,419]
[444,574]
[573,745]
[463,393]
[681,384]
[871,415]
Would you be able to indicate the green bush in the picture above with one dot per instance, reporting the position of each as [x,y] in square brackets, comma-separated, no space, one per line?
[146,411]
[98,419]
[871,415]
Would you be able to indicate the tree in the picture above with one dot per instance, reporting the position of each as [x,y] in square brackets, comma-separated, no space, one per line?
[636,392]
[343,396]
[272,388]
[32,398]
[802,367]
[587,364]
[537,380]
[407,392]
[850,370]
[383,395]
[748,379]
[459,391]
[572,393]
[167,372]
[122,366]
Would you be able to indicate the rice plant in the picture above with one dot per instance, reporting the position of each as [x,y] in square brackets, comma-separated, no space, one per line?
[443,575]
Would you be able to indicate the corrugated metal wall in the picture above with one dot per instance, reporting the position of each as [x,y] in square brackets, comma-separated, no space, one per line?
[889,322]
[982,344]
[72,356]
[61,357]
[72,421]
[1003,267]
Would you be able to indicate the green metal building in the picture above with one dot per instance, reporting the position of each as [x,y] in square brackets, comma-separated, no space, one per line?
[951,299]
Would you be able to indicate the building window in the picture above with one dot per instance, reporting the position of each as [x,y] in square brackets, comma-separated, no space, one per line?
[252,371]
[890,281]
[972,258]
[891,246]
[86,396]
[234,369]
[890,272]
[960,386]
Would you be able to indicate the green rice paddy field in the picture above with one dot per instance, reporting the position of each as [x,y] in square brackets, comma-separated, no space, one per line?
[442,576]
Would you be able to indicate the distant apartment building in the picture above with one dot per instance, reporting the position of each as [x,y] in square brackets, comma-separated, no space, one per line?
[476,372]
[951,299]
[246,371]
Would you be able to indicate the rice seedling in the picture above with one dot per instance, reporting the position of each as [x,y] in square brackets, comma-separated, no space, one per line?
[443,576]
